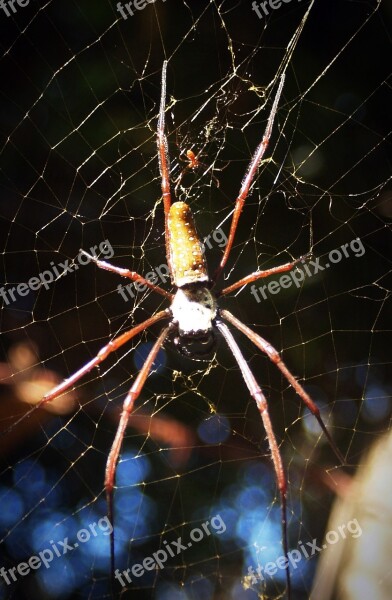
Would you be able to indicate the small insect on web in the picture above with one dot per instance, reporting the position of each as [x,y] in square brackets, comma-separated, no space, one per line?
[194,317]
[193,164]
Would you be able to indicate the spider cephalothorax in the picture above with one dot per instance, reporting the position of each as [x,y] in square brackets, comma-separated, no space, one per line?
[194,310]
[193,315]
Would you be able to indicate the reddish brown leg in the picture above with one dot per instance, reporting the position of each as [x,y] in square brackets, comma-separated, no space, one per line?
[102,354]
[261,402]
[259,275]
[274,356]
[247,181]
[164,163]
[102,264]
[116,446]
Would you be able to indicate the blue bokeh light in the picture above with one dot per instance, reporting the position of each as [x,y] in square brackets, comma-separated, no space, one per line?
[28,471]
[377,404]
[134,509]
[12,507]
[309,422]
[30,476]
[60,579]
[141,352]
[132,469]
[50,525]
[252,514]
[134,514]
[252,497]
[214,430]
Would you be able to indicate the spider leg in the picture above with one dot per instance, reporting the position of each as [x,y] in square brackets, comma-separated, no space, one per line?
[247,181]
[164,163]
[259,275]
[129,401]
[258,396]
[102,264]
[275,357]
[102,354]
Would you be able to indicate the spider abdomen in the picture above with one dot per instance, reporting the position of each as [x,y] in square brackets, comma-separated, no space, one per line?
[188,264]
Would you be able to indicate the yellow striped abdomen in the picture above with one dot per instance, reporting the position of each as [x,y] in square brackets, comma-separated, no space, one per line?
[187,261]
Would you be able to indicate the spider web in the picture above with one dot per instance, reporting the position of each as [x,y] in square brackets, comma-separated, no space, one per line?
[79,170]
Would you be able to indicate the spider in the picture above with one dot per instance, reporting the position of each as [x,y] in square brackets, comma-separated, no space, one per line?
[194,318]
[193,164]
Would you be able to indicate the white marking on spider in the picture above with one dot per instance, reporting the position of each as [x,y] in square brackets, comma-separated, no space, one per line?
[193,309]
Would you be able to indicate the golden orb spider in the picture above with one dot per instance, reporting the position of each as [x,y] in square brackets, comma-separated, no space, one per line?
[194,315]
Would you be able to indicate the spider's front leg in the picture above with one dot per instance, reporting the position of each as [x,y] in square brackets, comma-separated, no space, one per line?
[164,163]
[248,179]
